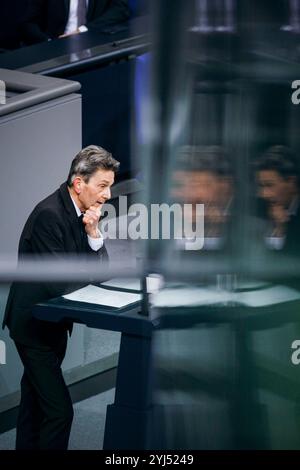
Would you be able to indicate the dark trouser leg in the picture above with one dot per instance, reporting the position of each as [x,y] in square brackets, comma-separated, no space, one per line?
[29,418]
[53,402]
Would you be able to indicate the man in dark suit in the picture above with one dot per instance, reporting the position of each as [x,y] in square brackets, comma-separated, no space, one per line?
[277,177]
[50,19]
[65,223]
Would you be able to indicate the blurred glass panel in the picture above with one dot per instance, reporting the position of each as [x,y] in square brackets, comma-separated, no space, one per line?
[229,310]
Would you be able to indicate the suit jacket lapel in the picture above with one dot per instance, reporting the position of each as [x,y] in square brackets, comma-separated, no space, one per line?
[90,9]
[72,217]
[67,6]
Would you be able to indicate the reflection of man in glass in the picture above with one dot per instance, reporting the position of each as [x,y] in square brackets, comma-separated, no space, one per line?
[50,19]
[204,176]
[278,187]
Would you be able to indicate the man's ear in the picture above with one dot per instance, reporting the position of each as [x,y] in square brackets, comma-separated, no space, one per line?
[77,184]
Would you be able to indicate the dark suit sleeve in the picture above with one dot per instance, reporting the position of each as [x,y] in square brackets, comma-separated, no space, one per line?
[116,12]
[49,239]
[32,25]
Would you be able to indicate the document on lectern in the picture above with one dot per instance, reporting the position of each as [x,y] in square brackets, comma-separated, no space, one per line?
[124,283]
[194,296]
[99,296]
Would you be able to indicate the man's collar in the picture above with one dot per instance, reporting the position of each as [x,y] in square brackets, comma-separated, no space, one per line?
[78,211]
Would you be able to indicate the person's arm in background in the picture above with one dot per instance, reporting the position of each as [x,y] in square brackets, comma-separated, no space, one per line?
[31,26]
[115,12]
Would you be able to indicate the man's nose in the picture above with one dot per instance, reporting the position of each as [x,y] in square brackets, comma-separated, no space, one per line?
[263,193]
[107,194]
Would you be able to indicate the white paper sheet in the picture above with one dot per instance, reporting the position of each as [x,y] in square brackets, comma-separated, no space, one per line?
[154,283]
[193,296]
[97,295]
[269,296]
[188,296]
[124,283]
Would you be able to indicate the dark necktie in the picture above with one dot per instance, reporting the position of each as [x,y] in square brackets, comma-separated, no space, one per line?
[81,12]
[83,234]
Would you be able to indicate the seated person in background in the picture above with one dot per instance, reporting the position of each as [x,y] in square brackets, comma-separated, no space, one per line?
[11,16]
[50,19]
[278,186]
[204,176]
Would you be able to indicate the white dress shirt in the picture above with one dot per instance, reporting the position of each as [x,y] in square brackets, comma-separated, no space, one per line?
[72,23]
[95,243]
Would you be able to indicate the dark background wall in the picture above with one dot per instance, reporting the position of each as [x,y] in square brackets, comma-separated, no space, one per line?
[11,14]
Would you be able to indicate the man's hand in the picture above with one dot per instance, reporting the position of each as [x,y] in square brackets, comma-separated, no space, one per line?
[76,31]
[280,218]
[91,220]
[214,220]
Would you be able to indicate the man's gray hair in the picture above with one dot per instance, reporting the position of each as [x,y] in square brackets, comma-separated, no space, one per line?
[89,160]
